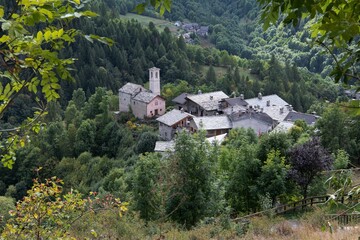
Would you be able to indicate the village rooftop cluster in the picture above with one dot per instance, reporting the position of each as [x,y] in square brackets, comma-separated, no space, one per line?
[214,112]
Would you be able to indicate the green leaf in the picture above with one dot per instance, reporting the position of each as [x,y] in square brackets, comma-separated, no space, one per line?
[46,12]
[140,8]
[47,35]
[167,4]
[39,37]
[4,38]
[1,11]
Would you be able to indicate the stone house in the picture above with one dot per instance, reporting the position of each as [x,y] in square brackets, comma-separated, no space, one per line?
[204,104]
[203,31]
[260,122]
[180,102]
[142,102]
[171,122]
[272,105]
[213,125]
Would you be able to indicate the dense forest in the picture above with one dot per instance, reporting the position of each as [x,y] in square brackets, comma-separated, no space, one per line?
[82,142]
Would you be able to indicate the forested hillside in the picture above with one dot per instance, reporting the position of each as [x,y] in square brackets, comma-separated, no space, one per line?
[136,49]
[235,27]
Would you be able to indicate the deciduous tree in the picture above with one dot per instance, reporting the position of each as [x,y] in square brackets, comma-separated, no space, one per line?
[307,161]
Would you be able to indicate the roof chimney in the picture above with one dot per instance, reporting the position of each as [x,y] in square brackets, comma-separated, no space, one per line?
[281,110]
[268,103]
[242,96]
[199,92]
[211,97]
[259,96]
[182,110]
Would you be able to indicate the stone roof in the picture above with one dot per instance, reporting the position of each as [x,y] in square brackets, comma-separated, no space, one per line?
[261,116]
[145,97]
[172,117]
[181,99]
[234,109]
[217,139]
[274,99]
[277,113]
[236,101]
[164,146]
[132,88]
[208,101]
[260,122]
[310,119]
[273,105]
[212,122]
[283,127]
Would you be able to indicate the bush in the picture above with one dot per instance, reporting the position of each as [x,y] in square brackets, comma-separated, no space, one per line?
[6,204]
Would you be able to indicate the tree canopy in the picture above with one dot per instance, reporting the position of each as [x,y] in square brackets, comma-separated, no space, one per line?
[332,24]
[32,35]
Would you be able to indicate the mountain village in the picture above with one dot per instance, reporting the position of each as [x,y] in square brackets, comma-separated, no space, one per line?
[214,112]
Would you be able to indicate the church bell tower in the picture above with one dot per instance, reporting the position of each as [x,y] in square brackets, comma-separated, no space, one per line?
[154,80]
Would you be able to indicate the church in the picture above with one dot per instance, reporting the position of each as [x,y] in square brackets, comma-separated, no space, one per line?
[141,102]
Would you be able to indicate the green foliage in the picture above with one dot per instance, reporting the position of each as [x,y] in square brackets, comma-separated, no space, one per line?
[273,141]
[6,204]
[146,186]
[190,196]
[33,34]
[44,214]
[273,177]
[333,129]
[161,5]
[241,191]
[146,142]
[342,160]
[307,161]
[334,25]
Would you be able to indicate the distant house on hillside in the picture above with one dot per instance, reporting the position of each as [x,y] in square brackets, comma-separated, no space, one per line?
[191,27]
[203,31]
[142,102]
[172,121]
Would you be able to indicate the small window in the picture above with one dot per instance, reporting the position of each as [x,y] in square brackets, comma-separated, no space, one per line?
[156,103]
[134,102]
[166,134]
[156,75]
[160,109]
[151,74]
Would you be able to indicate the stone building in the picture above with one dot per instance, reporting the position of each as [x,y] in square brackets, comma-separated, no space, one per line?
[173,121]
[142,102]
